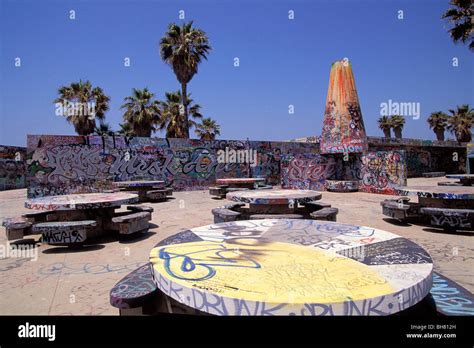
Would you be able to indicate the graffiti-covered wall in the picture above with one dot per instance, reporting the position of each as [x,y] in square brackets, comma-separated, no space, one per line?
[425,155]
[383,171]
[421,155]
[470,159]
[12,167]
[378,172]
[306,171]
[72,164]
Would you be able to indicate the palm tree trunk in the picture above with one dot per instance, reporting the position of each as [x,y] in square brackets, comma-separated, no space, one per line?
[184,100]
[398,132]
[439,133]
[386,133]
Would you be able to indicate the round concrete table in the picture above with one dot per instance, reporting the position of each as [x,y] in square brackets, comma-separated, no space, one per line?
[464,179]
[98,207]
[82,201]
[140,186]
[441,196]
[274,197]
[241,182]
[274,201]
[231,181]
[139,183]
[292,267]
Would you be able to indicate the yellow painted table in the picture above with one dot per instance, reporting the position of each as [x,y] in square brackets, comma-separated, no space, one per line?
[292,267]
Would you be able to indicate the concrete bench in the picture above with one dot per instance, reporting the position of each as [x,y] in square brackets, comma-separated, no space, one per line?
[433,174]
[450,218]
[64,232]
[275,216]
[327,214]
[449,183]
[40,216]
[400,209]
[169,191]
[316,205]
[224,215]
[140,208]
[450,297]
[402,199]
[219,192]
[264,187]
[136,293]
[342,185]
[157,195]
[233,206]
[17,227]
[132,223]
[233,189]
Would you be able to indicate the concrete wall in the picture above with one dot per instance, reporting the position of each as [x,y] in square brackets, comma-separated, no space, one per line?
[378,172]
[383,171]
[12,167]
[307,171]
[422,155]
[72,164]
[425,155]
[470,159]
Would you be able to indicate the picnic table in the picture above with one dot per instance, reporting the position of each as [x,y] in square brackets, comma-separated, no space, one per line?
[450,207]
[440,196]
[464,179]
[72,218]
[274,201]
[141,187]
[226,185]
[241,182]
[81,202]
[291,267]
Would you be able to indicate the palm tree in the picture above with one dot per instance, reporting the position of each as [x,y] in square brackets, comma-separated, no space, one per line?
[142,112]
[208,129]
[183,48]
[438,122]
[171,117]
[397,123]
[125,129]
[104,129]
[460,123]
[461,17]
[82,105]
[385,125]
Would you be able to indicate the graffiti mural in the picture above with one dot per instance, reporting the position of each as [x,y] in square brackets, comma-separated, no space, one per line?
[425,155]
[58,165]
[306,171]
[383,171]
[349,169]
[343,128]
[12,167]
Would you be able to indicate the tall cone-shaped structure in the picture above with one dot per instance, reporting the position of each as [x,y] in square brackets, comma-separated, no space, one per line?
[343,128]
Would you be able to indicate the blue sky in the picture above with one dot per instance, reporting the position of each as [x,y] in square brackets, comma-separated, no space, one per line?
[282,61]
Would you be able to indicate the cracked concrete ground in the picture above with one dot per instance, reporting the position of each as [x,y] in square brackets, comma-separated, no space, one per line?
[63,281]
